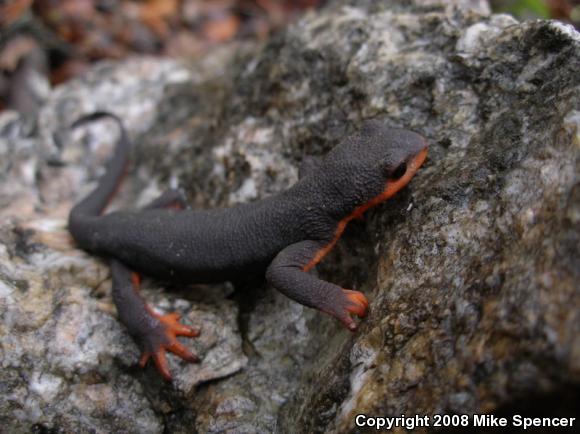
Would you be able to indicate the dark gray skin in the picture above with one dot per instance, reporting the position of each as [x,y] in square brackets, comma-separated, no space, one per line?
[278,238]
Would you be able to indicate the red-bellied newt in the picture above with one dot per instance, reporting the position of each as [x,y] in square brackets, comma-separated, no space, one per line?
[279,238]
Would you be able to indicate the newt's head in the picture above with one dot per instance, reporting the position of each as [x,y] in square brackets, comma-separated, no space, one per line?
[373,164]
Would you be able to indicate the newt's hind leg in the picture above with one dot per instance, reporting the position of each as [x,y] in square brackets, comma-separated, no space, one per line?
[154,333]
[287,274]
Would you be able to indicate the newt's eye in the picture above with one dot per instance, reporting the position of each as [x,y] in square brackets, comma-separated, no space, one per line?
[399,171]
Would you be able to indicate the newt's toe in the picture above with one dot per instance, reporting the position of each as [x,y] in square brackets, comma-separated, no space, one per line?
[145,356]
[172,320]
[160,360]
[181,350]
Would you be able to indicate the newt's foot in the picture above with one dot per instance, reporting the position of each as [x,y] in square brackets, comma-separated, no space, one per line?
[351,302]
[161,337]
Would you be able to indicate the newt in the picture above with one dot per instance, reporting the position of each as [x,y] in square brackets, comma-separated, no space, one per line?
[279,238]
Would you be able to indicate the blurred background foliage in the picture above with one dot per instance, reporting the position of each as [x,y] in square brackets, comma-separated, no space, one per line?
[523,9]
[564,10]
[46,42]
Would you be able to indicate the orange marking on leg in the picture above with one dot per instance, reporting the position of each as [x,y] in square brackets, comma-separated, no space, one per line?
[351,302]
[176,205]
[358,302]
[391,189]
[136,279]
[171,329]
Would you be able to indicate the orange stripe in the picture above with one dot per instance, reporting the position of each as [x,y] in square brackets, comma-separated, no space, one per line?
[391,189]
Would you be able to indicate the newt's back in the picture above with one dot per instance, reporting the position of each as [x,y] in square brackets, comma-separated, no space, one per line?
[194,246]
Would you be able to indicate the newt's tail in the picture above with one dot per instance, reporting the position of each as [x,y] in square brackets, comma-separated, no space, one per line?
[96,202]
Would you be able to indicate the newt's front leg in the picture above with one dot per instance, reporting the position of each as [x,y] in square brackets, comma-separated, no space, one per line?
[154,333]
[287,274]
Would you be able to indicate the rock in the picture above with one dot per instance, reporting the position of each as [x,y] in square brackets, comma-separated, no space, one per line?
[67,363]
[471,271]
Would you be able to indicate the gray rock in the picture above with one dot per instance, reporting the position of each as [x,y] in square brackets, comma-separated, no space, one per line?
[472,271]
[66,361]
